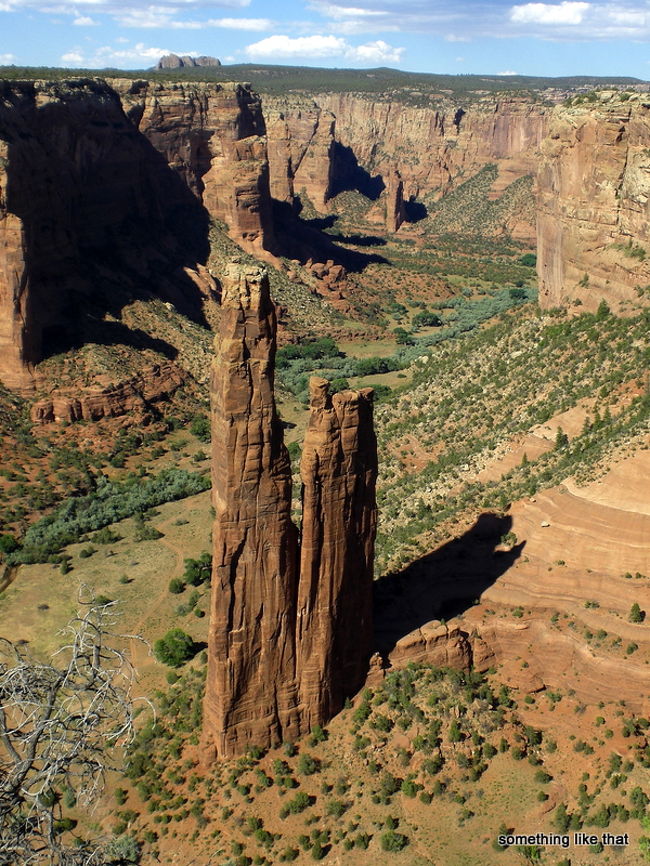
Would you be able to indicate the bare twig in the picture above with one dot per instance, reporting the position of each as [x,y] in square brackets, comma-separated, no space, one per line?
[63,725]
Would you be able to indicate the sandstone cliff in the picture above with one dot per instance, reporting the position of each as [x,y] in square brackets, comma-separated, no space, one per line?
[173,61]
[95,212]
[343,139]
[90,217]
[133,395]
[339,516]
[213,136]
[593,182]
[286,644]
[300,142]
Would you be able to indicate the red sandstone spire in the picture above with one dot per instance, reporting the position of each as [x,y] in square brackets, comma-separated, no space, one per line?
[251,695]
[283,653]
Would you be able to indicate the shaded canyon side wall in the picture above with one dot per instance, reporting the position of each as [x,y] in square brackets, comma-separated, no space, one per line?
[105,195]
[315,141]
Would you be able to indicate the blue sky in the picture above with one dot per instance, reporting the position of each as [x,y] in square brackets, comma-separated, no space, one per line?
[570,37]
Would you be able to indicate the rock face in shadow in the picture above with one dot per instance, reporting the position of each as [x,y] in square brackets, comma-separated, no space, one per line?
[434,149]
[593,183]
[90,216]
[290,629]
[106,197]
[213,137]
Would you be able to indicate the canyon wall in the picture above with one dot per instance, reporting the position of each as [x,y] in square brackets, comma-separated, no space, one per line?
[133,396]
[106,192]
[89,215]
[331,142]
[290,630]
[593,235]
[97,207]
[213,137]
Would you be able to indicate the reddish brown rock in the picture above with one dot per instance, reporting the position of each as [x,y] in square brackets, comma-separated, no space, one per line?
[133,395]
[251,693]
[339,517]
[390,210]
[90,217]
[284,649]
[434,643]
[395,212]
[98,206]
[433,148]
[593,236]
[213,136]
[300,143]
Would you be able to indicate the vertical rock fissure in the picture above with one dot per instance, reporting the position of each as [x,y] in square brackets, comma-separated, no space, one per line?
[291,619]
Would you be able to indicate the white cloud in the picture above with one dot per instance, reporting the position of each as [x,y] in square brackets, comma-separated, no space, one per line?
[280,46]
[567,12]
[242,23]
[107,54]
[119,9]
[628,18]
[164,17]
[72,57]
[84,21]
[7,58]
[452,37]
[374,52]
[508,72]
[299,46]
[152,16]
[331,10]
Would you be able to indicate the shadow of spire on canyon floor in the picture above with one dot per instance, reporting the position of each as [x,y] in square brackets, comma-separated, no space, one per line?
[444,583]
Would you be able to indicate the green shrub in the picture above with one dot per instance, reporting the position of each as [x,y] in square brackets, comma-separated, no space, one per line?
[200,427]
[198,571]
[308,765]
[109,503]
[392,841]
[175,648]
[636,614]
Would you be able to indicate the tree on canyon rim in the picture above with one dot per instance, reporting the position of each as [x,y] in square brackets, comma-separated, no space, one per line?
[61,723]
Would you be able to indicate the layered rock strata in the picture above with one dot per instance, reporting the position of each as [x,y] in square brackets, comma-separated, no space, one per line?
[173,61]
[313,141]
[90,217]
[213,136]
[251,691]
[593,236]
[107,196]
[136,394]
[290,625]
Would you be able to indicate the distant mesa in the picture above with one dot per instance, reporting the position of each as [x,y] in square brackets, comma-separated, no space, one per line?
[173,61]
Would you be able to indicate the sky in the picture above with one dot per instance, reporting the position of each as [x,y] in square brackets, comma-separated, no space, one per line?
[570,37]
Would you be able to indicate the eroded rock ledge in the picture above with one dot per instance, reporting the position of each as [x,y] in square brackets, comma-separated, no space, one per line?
[291,620]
